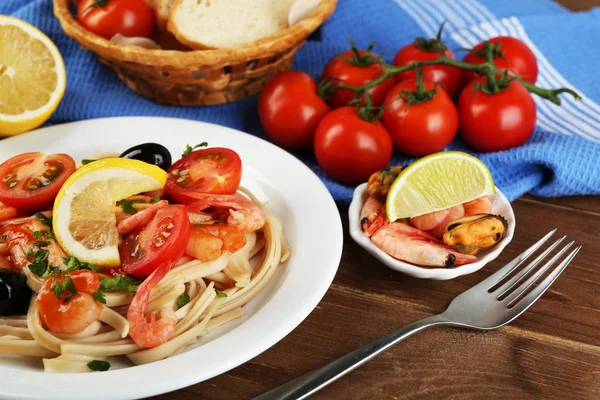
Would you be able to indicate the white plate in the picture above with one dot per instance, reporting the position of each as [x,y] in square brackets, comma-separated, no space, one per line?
[500,206]
[311,222]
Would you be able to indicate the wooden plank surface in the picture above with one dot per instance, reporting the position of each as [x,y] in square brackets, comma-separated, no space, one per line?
[552,351]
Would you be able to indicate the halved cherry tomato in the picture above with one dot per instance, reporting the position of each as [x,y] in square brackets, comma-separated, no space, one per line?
[341,71]
[215,170]
[106,18]
[164,239]
[31,181]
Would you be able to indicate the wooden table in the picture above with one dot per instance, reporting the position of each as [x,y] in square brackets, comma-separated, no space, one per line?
[552,351]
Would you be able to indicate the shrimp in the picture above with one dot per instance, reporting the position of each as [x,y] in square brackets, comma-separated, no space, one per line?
[208,242]
[197,218]
[372,216]
[409,244]
[62,313]
[481,205]
[21,243]
[140,218]
[150,331]
[454,213]
[7,212]
[243,214]
[430,220]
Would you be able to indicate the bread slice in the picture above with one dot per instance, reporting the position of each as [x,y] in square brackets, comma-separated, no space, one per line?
[203,24]
[162,11]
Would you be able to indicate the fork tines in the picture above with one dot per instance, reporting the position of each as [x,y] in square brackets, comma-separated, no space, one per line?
[511,292]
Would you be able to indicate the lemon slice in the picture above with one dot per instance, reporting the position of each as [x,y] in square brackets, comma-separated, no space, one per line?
[438,181]
[32,77]
[84,220]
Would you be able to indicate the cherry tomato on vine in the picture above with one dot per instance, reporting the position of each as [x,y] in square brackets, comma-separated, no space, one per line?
[290,108]
[424,50]
[106,18]
[498,121]
[31,181]
[349,149]
[515,56]
[420,126]
[356,69]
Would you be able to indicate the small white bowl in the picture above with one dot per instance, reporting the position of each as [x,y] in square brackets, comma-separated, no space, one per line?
[500,206]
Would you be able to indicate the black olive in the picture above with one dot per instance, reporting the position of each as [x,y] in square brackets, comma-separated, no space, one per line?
[14,293]
[151,153]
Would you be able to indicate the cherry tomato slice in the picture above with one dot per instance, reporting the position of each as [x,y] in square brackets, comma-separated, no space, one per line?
[216,170]
[164,239]
[31,181]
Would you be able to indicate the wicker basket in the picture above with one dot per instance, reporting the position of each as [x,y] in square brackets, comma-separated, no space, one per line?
[197,77]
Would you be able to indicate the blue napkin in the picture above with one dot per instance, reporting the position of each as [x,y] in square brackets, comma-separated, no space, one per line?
[561,157]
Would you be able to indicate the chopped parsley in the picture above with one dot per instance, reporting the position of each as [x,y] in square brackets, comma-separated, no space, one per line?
[45,220]
[221,293]
[43,234]
[183,300]
[98,365]
[189,149]
[156,199]
[73,264]
[127,206]
[39,265]
[86,161]
[128,284]
[65,290]
[99,296]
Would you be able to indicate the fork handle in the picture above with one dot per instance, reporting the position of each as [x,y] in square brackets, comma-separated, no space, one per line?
[312,382]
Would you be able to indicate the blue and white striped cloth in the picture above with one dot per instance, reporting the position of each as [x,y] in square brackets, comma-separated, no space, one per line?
[561,158]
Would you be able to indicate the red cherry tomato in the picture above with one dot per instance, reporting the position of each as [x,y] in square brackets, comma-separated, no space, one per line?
[290,109]
[131,18]
[499,121]
[349,149]
[164,239]
[214,170]
[517,58]
[446,75]
[341,71]
[31,181]
[424,128]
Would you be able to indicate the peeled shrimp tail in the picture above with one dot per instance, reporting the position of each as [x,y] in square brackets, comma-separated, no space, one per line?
[154,332]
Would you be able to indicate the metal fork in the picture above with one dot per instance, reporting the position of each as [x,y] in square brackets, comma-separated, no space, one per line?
[487,305]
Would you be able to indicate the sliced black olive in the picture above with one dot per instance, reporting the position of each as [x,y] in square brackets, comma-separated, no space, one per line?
[14,293]
[151,153]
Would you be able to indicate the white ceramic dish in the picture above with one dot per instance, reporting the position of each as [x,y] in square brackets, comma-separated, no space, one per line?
[310,220]
[500,206]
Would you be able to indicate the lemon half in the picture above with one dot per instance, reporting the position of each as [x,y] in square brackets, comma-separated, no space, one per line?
[32,76]
[436,182]
[84,220]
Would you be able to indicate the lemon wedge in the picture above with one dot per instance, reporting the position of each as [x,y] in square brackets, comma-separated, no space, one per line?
[84,220]
[32,77]
[436,182]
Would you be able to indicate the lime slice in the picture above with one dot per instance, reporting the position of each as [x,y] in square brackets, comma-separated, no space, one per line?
[436,182]
[84,221]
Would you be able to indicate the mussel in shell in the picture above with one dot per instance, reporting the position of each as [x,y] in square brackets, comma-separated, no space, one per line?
[469,235]
[380,181]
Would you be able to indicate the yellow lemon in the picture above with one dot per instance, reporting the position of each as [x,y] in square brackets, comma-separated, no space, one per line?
[84,220]
[32,77]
